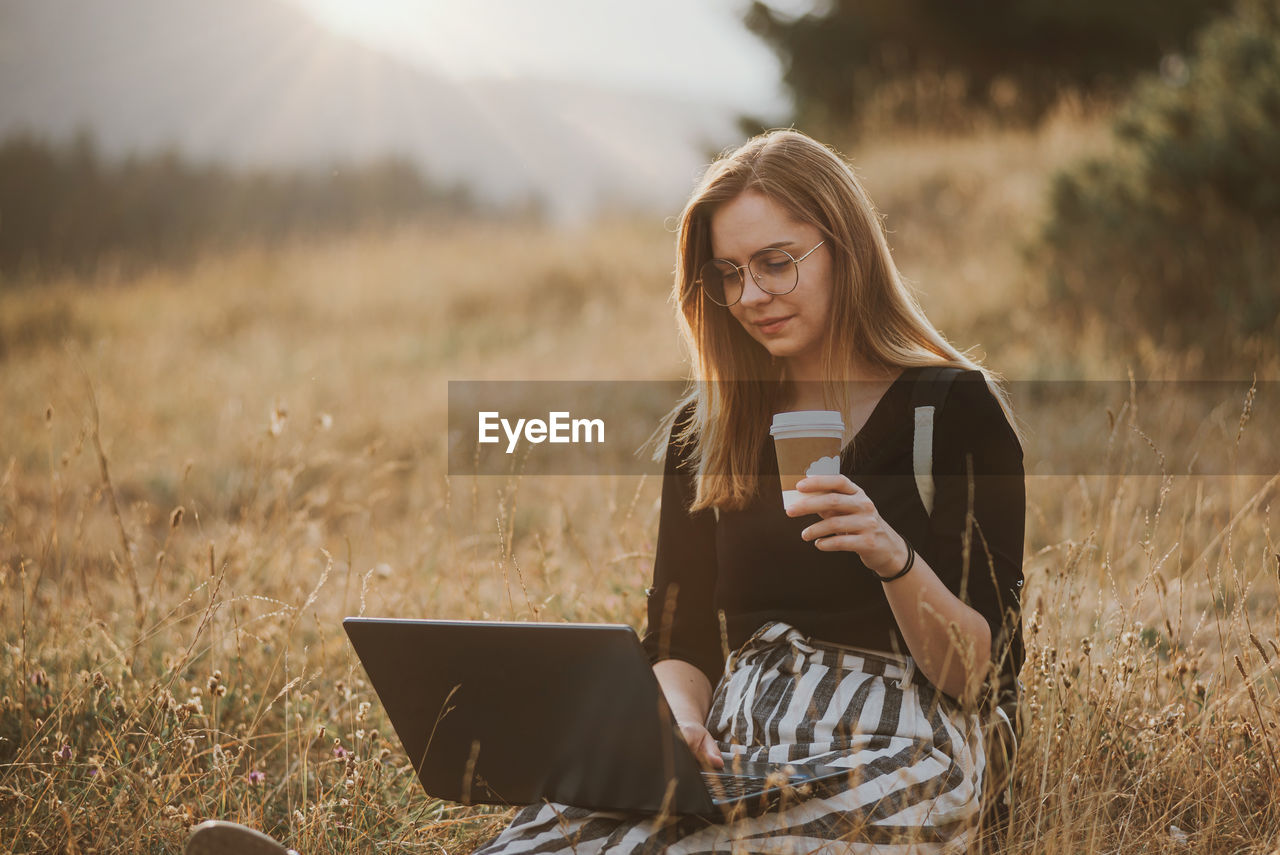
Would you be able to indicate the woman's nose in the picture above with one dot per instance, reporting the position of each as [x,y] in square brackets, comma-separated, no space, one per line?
[752,293]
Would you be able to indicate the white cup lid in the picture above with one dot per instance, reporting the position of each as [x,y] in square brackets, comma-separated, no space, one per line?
[823,420]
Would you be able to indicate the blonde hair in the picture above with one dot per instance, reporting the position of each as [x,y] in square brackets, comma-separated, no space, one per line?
[875,318]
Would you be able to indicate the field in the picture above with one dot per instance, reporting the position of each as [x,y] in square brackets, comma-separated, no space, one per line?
[202,471]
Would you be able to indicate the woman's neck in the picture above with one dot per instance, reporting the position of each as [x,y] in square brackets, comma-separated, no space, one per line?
[804,381]
[808,373]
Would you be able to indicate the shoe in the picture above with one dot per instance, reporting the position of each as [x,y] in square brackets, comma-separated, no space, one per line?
[216,837]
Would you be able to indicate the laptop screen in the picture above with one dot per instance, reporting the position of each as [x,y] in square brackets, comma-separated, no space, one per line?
[515,713]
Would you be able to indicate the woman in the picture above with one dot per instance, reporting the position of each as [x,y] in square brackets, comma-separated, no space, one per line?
[853,629]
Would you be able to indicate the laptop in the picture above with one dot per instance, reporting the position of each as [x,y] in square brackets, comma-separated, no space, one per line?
[518,713]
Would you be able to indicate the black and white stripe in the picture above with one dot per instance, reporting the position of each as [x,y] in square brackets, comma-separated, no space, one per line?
[915,763]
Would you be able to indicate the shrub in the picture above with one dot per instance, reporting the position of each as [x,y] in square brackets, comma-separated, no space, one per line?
[927,62]
[65,207]
[1176,236]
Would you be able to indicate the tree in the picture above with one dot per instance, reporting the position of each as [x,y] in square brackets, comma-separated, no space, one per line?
[837,57]
[1176,237]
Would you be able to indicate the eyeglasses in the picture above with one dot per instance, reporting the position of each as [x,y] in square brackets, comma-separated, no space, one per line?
[775,271]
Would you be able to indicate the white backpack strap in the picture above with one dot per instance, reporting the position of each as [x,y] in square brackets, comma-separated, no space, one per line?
[922,456]
[927,397]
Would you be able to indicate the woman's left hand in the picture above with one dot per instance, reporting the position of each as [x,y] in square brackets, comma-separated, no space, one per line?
[850,523]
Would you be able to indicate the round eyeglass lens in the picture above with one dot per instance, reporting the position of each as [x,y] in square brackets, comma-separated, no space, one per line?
[721,281]
[775,271]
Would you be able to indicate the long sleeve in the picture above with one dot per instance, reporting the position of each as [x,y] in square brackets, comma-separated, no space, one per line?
[682,616]
[975,438]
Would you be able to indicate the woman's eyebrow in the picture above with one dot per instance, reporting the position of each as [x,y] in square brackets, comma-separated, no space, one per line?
[777,244]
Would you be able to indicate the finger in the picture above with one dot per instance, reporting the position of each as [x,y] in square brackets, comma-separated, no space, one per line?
[834,527]
[839,543]
[711,751]
[828,504]
[827,484]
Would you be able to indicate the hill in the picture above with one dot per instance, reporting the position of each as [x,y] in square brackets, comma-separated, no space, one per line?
[257,82]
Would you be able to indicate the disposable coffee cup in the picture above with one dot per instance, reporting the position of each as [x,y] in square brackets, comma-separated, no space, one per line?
[807,442]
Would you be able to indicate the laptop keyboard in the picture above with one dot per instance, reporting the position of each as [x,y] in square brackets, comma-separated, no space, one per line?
[724,786]
[750,778]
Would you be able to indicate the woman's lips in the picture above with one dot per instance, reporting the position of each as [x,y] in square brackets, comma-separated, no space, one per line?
[772,325]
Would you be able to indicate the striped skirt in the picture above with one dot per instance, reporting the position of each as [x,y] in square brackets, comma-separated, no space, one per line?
[916,763]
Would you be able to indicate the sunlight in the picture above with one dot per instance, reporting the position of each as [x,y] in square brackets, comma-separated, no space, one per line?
[689,50]
[431,33]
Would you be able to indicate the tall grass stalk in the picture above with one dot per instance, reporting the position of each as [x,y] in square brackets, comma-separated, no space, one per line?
[265,431]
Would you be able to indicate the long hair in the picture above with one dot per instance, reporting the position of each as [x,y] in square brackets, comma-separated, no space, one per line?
[875,317]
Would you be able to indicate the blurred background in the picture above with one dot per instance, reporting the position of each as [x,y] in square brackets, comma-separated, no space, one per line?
[1114,164]
[246,245]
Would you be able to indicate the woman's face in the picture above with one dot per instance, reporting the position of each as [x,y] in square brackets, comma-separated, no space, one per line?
[790,326]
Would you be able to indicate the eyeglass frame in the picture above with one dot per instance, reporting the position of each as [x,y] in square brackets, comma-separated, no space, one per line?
[738,268]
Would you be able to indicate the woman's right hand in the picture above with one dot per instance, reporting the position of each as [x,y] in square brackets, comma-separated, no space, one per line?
[702,743]
[688,694]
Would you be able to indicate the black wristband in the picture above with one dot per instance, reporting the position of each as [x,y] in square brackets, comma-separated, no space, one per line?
[906,568]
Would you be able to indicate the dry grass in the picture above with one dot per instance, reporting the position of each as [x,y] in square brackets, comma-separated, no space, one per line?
[266,455]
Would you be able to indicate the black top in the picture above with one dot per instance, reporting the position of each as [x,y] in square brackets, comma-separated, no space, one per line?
[753,566]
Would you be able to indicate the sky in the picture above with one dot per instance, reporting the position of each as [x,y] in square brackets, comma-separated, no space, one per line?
[687,48]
